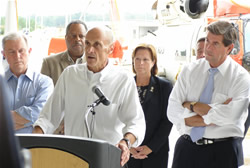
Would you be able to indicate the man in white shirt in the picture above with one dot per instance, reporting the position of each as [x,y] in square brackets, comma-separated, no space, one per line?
[54,65]
[121,123]
[224,117]
[201,54]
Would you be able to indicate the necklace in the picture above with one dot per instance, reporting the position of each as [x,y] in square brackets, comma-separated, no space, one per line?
[142,90]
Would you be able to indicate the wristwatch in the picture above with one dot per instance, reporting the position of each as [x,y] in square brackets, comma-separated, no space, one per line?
[128,142]
[192,106]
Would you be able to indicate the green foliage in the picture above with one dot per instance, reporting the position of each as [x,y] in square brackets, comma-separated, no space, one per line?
[33,22]
[2,21]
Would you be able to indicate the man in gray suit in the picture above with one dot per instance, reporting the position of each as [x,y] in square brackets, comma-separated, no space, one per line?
[54,65]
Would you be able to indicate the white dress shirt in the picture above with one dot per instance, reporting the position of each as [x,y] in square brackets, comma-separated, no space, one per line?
[232,81]
[73,93]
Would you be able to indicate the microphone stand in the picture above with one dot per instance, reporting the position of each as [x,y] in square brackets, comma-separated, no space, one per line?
[92,110]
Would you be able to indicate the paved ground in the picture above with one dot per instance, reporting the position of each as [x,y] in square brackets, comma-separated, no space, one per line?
[174,135]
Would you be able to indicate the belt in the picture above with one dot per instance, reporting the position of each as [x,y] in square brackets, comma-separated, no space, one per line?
[206,141]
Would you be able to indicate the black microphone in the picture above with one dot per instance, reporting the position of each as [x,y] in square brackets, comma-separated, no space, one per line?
[97,90]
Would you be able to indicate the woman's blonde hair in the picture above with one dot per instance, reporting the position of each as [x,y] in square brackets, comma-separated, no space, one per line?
[153,54]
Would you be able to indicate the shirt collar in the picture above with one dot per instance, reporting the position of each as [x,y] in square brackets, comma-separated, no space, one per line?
[101,75]
[222,68]
[78,60]
[8,74]
[206,67]
[29,74]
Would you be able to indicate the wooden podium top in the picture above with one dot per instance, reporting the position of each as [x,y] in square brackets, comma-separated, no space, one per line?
[69,151]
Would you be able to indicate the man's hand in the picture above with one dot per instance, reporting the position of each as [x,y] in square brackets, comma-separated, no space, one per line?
[19,121]
[195,121]
[140,152]
[125,152]
[201,109]
[37,130]
[228,101]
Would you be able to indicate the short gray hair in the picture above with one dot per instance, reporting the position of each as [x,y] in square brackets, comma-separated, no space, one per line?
[14,36]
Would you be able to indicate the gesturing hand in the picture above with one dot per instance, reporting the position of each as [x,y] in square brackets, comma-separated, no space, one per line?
[125,152]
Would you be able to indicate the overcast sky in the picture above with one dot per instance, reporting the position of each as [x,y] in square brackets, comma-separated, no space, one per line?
[62,7]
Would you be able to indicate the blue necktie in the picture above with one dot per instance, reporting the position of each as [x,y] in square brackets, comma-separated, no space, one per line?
[206,96]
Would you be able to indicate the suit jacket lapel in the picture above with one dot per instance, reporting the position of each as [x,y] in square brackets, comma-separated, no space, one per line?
[64,60]
[151,89]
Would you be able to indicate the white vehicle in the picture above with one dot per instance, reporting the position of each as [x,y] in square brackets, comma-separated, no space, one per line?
[183,22]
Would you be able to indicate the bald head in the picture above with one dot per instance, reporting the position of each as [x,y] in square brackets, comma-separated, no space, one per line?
[98,45]
[104,33]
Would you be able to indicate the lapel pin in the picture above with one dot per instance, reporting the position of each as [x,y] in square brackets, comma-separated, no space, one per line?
[152,89]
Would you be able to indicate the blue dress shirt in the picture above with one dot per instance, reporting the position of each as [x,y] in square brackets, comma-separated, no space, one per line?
[29,93]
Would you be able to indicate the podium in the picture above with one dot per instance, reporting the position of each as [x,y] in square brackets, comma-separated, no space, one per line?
[57,151]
